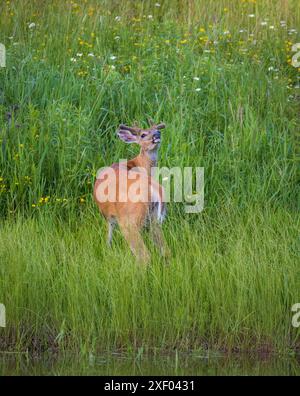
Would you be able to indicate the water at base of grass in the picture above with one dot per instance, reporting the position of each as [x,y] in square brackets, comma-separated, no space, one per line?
[175,364]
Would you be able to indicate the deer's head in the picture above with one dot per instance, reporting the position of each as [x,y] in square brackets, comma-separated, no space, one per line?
[148,139]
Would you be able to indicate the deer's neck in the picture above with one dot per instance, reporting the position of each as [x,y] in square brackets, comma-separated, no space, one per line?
[146,160]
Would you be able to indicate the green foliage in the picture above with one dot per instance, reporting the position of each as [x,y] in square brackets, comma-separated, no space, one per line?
[222,81]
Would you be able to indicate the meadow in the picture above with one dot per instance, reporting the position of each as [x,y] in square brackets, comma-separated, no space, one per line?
[220,75]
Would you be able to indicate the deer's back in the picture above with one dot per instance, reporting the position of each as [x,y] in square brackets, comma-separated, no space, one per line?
[130,204]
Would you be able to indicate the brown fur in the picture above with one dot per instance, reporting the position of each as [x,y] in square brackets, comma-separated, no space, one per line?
[132,216]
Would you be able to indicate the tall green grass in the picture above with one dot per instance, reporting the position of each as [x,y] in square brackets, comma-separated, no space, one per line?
[222,81]
[230,284]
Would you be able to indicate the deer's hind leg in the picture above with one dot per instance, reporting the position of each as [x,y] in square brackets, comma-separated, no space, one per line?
[132,234]
[111,223]
[157,215]
[158,238]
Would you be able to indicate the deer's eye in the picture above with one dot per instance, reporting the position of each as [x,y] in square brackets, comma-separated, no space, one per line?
[143,135]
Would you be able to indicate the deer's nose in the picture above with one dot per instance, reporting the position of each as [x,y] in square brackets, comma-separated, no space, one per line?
[156,134]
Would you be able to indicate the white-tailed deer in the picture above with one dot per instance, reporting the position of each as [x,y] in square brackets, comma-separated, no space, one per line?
[135,197]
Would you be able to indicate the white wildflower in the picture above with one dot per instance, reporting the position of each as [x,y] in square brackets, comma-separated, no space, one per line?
[31,25]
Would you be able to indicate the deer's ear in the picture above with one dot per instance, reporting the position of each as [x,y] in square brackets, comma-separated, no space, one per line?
[127,136]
